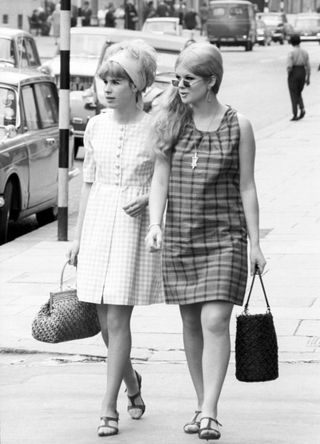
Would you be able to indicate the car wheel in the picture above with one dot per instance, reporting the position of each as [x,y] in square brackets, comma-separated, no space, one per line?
[281,41]
[5,213]
[248,46]
[46,216]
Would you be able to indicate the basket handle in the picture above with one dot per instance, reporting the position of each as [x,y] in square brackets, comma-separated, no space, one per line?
[257,272]
[62,275]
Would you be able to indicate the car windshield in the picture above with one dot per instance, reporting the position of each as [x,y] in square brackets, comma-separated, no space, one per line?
[307,23]
[86,45]
[272,20]
[6,50]
[162,27]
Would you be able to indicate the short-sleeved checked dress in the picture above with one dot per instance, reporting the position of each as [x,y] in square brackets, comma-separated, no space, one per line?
[205,241]
[114,266]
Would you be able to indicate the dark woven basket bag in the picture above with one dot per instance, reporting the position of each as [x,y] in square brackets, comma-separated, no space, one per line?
[256,343]
[65,318]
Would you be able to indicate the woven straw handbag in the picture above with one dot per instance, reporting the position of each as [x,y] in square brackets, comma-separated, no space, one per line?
[65,318]
[256,343]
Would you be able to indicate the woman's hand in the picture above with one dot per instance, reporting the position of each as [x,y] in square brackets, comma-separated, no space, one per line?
[136,206]
[256,259]
[72,254]
[154,238]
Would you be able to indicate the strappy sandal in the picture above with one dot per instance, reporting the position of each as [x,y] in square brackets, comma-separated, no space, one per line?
[136,410]
[211,430]
[105,428]
[194,425]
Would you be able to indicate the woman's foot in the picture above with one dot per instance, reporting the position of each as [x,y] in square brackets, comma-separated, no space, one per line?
[294,118]
[194,425]
[209,428]
[302,114]
[108,425]
[136,406]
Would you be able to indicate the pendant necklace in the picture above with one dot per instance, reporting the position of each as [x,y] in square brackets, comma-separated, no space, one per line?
[195,157]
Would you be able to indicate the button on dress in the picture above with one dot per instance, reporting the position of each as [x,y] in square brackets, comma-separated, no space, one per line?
[114,266]
[205,241]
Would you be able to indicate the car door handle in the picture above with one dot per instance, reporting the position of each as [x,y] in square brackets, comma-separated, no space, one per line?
[51,141]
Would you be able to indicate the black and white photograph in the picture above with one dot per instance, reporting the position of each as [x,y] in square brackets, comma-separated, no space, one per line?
[159,221]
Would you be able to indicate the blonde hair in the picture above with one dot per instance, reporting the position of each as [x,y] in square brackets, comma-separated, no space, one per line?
[201,59]
[144,54]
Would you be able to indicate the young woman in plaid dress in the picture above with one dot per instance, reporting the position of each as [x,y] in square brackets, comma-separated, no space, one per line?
[204,172]
[114,270]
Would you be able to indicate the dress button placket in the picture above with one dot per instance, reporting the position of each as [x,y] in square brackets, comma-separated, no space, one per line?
[117,164]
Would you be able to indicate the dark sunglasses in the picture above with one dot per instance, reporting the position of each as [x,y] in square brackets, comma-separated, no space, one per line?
[185,83]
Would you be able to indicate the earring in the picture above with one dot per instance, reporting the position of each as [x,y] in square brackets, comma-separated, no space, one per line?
[209,98]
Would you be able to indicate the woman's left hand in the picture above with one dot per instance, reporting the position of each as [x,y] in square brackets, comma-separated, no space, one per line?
[256,260]
[136,206]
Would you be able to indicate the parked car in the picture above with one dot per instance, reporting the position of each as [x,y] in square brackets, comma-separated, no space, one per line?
[277,23]
[170,26]
[308,27]
[85,104]
[263,37]
[232,23]
[29,147]
[18,49]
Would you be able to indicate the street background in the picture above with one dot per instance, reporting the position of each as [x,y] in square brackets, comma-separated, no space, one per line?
[51,393]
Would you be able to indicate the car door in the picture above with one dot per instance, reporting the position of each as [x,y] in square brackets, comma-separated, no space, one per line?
[40,107]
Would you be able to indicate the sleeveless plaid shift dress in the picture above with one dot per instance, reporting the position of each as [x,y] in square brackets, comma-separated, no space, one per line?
[205,241]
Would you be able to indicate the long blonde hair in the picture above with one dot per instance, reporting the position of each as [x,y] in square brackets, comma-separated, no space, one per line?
[201,59]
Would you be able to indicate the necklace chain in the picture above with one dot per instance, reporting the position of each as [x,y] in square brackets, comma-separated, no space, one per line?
[195,157]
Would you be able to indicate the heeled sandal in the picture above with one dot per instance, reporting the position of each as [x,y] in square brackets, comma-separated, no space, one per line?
[136,410]
[194,425]
[105,424]
[208,431]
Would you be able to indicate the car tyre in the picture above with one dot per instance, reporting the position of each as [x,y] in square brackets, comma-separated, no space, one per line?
[5,212]
[77,143]
[46,216]
[248,46]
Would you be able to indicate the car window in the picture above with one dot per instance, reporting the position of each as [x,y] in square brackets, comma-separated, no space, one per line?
[8,106]
[47,104]
[31,53]
[7,50]
[165,27]
[84,45]
[30,109]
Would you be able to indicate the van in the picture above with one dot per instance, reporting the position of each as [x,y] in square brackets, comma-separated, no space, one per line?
[232,23]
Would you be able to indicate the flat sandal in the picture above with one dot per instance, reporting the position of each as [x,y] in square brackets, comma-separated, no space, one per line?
[136,410]
[211,430]
[194,425]
[105,423]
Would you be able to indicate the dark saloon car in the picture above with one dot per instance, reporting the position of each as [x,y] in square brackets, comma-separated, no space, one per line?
[29,147]
[18,49]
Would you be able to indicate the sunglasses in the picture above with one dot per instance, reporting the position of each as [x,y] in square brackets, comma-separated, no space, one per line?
[185,83]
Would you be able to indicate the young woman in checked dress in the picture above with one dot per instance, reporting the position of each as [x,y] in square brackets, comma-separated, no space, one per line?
[204,172]
[114,270]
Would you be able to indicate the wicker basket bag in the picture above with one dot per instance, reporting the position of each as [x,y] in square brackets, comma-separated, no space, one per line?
[65,318]
[256,343]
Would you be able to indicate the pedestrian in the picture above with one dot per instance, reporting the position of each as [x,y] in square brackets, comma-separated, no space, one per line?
[298,67]
[55,22]
[204,175]
[162,9]
[114,269]
[101,15]
[131,15]
[203,14]
[86,13]
[191,19]
[149,10]
[110,20]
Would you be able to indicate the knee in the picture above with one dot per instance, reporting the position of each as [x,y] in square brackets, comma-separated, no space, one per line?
[191,323]
[116,323]
[216,323]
